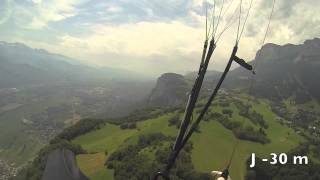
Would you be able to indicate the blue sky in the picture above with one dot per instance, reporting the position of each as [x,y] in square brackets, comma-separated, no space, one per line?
[151,36]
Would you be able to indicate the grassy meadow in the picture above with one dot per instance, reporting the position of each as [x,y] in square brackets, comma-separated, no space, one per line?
[212,146]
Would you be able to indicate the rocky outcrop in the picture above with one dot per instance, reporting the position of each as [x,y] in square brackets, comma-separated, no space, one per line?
[171,90]
[284,71]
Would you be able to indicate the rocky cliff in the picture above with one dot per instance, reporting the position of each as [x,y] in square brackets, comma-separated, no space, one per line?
[171,90]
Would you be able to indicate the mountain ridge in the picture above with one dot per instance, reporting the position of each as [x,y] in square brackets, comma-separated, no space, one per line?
[281,72]
[22,66]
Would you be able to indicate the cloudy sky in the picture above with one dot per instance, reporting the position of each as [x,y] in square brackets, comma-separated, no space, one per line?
[150,36]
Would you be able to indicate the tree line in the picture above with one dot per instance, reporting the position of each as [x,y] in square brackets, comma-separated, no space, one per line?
[149,155]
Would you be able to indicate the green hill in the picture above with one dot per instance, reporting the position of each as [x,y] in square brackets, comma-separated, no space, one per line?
[212,146]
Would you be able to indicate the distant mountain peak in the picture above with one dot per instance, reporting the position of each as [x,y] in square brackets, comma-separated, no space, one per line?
[274,52]
[21,66]
[309,42]
[14,44]
[313,43]
[170,76]
[293,69]
[170,90]
[25,47]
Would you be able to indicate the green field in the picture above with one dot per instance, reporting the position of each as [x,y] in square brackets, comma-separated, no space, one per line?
[212,146]
[109,138]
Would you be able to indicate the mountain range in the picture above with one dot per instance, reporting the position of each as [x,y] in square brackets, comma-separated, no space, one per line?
[21,66]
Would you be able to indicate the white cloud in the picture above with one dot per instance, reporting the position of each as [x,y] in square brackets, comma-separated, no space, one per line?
[176,44]
[37,23]
[197,3]
[36,1]
[43,12]
[114,9]
[140,39]
[5,11]
[140,46]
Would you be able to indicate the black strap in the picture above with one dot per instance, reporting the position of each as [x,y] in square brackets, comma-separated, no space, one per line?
[225,174]
[243,63]
[209,102]
[193,97]
[205,47]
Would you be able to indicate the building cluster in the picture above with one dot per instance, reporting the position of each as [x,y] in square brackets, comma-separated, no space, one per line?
[7,170]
